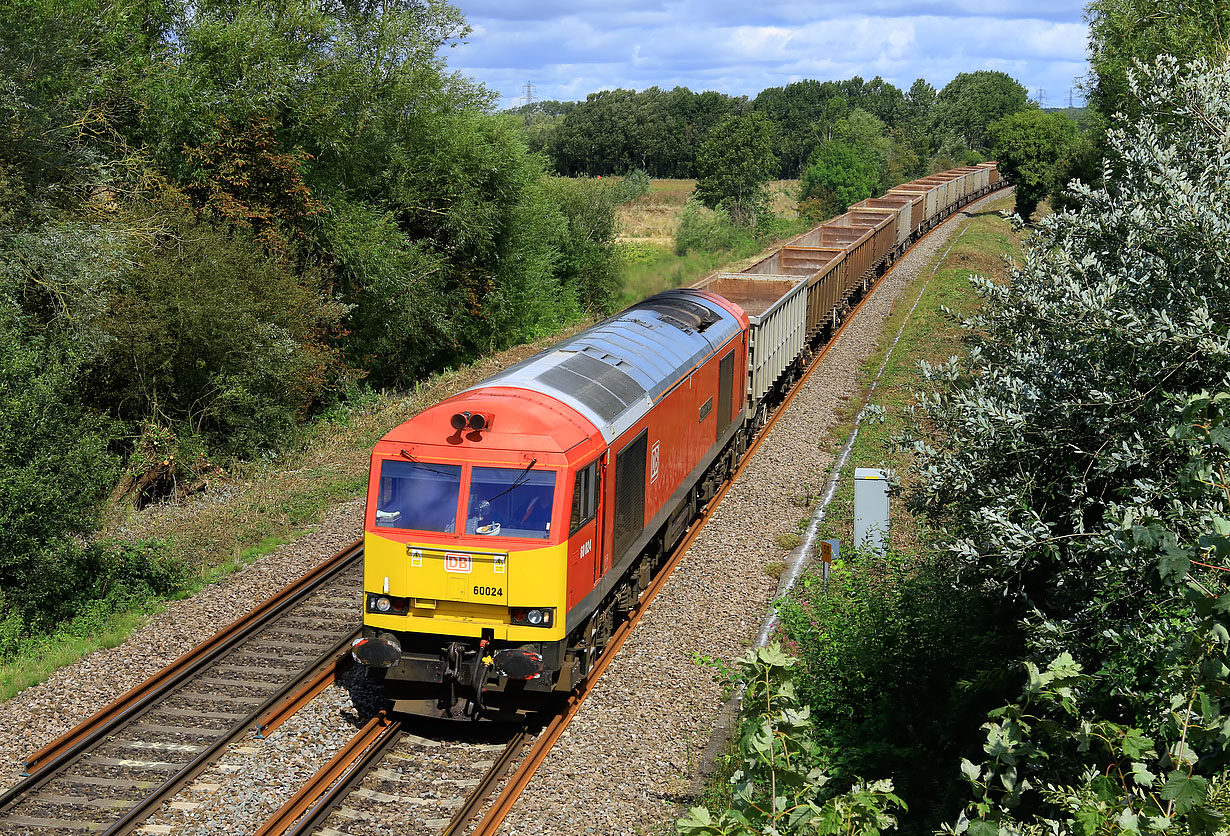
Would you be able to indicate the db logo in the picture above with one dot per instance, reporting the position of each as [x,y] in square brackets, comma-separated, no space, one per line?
[655,457]
[458,563]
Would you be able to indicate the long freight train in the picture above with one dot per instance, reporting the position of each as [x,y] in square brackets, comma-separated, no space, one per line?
[510,527]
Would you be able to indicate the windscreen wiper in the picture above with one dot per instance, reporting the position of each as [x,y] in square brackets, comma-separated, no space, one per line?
[518,482]
[403,452]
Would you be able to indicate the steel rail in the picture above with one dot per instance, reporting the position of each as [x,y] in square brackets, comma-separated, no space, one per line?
[50,760]
[552,732]
[316,799]
[133,818]
[324,674]
[486,786]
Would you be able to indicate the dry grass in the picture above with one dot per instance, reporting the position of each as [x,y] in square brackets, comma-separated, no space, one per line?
[654,216]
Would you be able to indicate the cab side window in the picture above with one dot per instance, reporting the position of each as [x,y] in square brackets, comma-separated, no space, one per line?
[584,496]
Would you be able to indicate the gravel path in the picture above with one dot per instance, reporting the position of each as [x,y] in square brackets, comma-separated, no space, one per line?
[650,717]
[648,720]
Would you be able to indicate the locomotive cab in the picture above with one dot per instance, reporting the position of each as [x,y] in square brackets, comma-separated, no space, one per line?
[466,554]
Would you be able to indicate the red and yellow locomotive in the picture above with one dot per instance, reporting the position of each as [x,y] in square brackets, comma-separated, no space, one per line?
[508,526]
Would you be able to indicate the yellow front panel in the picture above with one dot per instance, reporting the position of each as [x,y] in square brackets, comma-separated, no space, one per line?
[459,591]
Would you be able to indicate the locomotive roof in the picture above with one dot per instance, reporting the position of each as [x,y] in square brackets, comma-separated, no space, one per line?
[613,372]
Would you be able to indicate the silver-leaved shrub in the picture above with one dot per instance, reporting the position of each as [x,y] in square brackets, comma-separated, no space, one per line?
[1077,458]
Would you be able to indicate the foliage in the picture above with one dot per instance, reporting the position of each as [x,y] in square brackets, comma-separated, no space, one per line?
[735,164]
[808,112]
[849,167]
[208,332]
[1029,146]
[55,471]
[1123,31]
[779,786]
[1050,767]
[893,666]
[243,177]
[588,268]
[703,230]
[1077,464]
[656,130]
[1082,352]
[972,101]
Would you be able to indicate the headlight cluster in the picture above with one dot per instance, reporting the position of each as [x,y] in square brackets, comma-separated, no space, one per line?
[537,617]
[385,604]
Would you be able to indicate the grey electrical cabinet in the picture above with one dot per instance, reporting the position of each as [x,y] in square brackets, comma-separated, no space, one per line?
[871,510]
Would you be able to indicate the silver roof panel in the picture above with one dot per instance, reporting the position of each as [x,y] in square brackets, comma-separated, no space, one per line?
[614,372]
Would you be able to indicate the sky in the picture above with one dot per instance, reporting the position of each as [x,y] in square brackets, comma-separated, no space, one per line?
[569,48]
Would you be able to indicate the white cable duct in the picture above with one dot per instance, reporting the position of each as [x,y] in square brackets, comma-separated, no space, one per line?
[800,556]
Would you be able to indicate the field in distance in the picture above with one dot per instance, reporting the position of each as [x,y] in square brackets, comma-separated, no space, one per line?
[647,228]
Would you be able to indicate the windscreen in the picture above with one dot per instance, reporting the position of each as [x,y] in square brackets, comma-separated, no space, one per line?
[418,495]
[510,502]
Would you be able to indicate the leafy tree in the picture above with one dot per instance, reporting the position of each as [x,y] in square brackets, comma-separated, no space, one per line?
[1029,146]
[735,164]
[851,166]
[209,334]
[1123,31]
[972,101]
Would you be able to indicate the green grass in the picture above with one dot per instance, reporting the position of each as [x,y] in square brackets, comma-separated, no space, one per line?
[654,267]
[931,335]
[67,646]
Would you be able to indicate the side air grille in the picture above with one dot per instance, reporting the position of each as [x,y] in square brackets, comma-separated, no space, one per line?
[629,494]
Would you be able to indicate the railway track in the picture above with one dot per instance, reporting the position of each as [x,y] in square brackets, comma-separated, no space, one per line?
[354,794]
[439,775]
[113,770]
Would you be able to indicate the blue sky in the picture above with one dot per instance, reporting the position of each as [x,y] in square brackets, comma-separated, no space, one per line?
[568,49]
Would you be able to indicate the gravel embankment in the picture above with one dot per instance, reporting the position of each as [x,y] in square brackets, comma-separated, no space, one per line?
[630,757]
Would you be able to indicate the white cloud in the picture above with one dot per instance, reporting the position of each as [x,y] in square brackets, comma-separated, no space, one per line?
[569,48]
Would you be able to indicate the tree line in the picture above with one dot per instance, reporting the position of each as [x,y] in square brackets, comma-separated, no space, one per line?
[846,140]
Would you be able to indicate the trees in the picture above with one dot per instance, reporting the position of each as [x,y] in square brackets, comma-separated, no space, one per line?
[972,101]
[734,165]
[1077,454]
[851,166]
[1029,146]
[1121,31]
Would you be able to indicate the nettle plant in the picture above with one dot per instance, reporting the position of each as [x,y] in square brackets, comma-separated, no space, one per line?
[1075,458]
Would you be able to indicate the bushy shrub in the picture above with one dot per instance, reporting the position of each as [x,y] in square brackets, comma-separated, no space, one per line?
[588,264]
[892,666]
[780,785]
[207,330]
[78,588]
[56,469]
[708,231]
